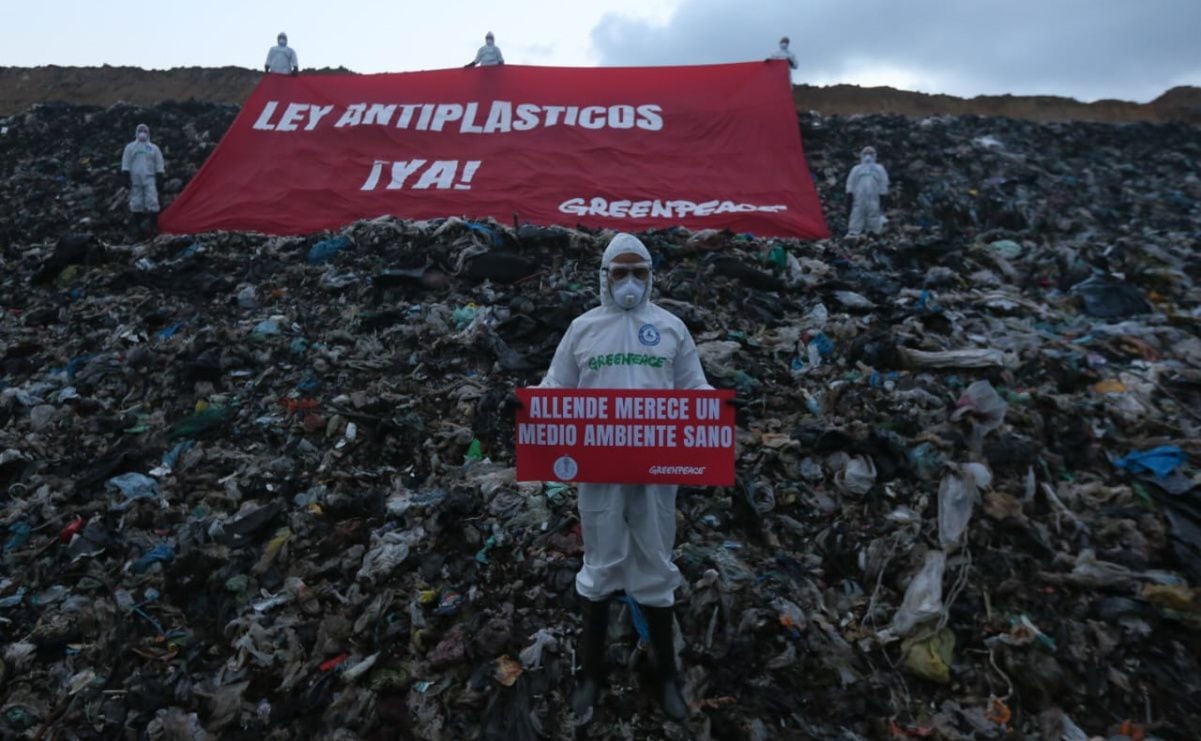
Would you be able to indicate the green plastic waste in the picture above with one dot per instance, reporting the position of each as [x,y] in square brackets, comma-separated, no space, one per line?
[1007,248]
[464,316]
[199,423]
[474,452]
[778,257]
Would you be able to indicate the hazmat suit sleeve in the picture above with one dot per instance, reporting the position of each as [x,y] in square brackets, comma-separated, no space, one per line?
[500,58]
[852,177]
[158,161]
[127,158]
[689,373]
[563,372]
[295,59]
[883,179]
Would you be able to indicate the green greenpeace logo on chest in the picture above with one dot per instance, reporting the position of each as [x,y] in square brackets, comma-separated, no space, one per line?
[626,358]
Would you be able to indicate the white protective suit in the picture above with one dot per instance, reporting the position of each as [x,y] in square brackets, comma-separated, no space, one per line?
[629,529]
[866,183]
[282,59]
[489,55]
[782,52]
[143,160]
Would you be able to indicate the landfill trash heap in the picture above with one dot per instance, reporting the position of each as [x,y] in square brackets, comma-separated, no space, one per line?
[263,487]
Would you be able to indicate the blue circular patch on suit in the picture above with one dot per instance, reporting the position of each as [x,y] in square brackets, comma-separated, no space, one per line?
[648,335]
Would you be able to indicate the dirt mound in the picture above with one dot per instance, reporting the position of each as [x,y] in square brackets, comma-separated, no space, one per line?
[1178,104]
[21,87]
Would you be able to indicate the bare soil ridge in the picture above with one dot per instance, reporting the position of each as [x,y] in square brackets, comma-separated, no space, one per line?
[21,87]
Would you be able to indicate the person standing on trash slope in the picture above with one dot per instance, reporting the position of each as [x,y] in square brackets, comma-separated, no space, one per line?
[782,52]
[629,530]
[866,183]
[281,59]
[489,54]
[142,161]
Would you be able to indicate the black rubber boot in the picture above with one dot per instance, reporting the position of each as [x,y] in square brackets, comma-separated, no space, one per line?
[659,620]
[593,668]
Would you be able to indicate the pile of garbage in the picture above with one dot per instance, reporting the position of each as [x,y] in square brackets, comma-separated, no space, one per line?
[263,487]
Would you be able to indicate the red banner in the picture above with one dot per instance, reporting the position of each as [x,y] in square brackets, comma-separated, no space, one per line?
[628,148]
[618,436]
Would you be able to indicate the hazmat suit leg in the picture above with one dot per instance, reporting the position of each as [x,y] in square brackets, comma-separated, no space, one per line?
[874,218]
[629,532]
[606,540]
[149,193]
[865,216]
[137,194]
[858,219]
[651,577]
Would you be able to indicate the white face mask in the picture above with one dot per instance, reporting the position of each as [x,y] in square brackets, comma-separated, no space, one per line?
[282,41]
[868,159]
[143,136]
[628,292]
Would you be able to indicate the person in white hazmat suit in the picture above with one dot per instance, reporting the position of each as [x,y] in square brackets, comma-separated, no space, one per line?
[867,181]
[629,530]
[782,52]
[142,161]
[281,58]
[489,54]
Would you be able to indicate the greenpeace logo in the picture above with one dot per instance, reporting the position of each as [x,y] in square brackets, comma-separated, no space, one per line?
[661,208]
[676,470]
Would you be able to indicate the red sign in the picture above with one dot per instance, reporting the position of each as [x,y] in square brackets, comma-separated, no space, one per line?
[618,436]
[630,149]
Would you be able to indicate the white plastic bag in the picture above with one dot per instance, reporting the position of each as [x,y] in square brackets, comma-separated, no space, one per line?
[923,596]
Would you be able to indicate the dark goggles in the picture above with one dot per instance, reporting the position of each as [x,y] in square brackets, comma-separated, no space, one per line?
[621,272]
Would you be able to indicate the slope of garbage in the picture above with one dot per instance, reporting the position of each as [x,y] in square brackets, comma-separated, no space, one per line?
[258,487]
[21,87]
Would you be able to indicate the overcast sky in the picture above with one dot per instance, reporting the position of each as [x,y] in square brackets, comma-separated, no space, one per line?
[1088,49]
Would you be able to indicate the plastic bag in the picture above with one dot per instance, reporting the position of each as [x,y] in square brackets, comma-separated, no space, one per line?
[984,406]
[326,249]
[930,658]
[958,493]
[857,476]
[923,596]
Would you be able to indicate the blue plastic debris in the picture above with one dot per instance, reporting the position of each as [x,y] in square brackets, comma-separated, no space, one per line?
[167,332]
[644,631]
[75,364]
[299,346]
[161,553]
[264,329]
[13,599]
[133,486]
[487,231]
[326,249]
[18,534]
[1161,461]
[309,384]
[481,556]
[823,344]
[172,455]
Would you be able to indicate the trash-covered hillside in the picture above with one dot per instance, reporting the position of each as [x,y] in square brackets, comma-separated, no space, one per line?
[257,487]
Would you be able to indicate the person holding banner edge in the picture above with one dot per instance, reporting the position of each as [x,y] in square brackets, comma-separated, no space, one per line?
[628,529]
